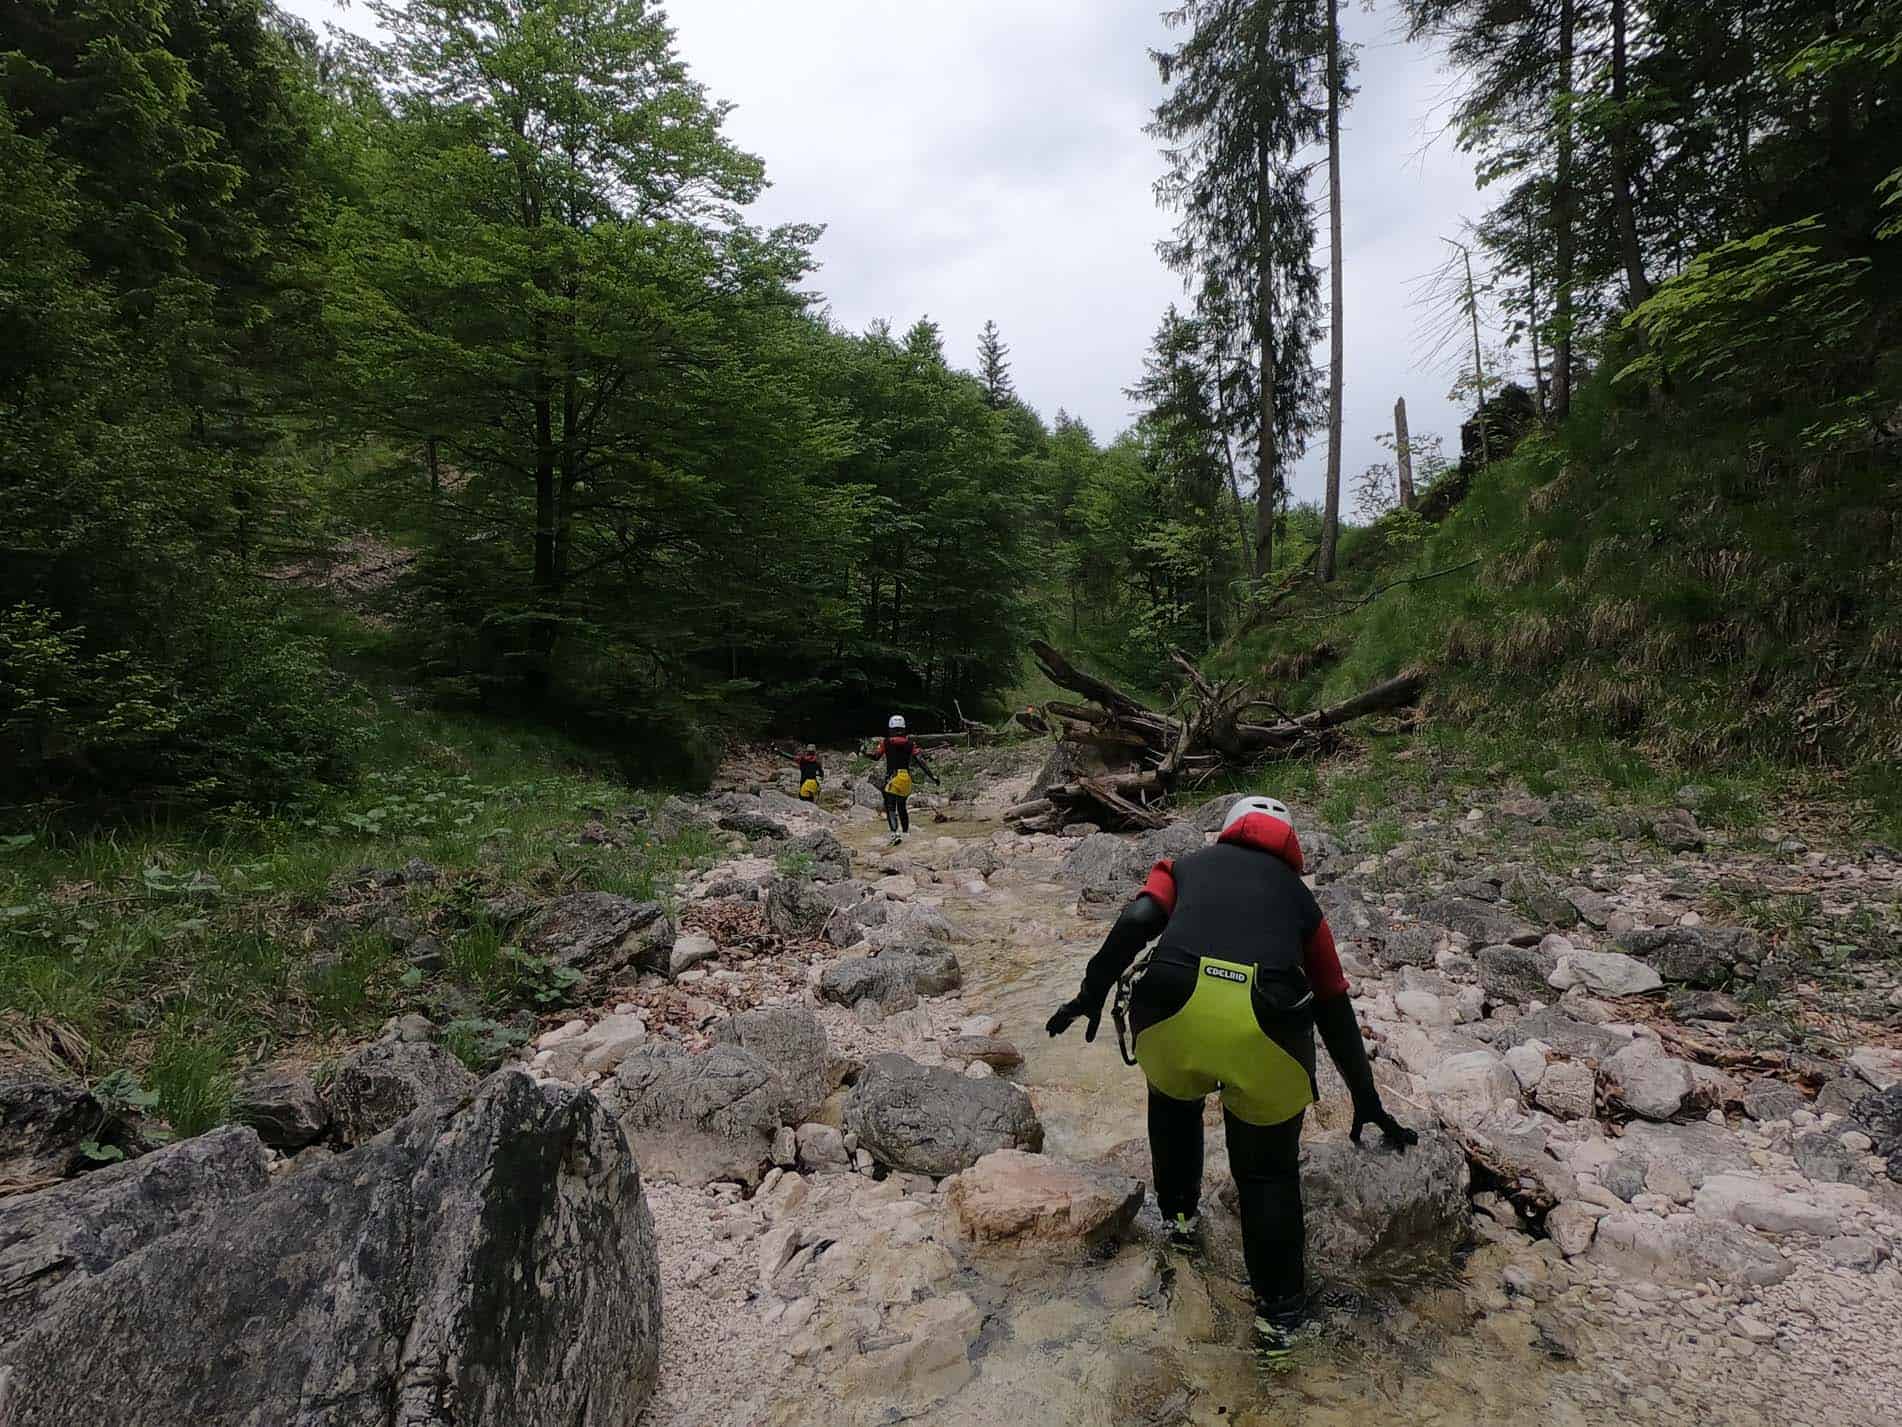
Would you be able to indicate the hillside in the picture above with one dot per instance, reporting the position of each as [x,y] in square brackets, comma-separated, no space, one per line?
[1634,596]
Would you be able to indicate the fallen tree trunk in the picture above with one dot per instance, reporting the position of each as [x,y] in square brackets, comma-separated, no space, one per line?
[1148,754]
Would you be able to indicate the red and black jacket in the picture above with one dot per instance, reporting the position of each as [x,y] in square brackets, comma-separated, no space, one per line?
[1241,900]
[899,751]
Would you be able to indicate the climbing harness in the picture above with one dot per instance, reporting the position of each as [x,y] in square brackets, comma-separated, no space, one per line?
[1119,1008]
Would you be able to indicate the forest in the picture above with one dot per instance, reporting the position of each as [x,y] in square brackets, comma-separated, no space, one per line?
[484,292]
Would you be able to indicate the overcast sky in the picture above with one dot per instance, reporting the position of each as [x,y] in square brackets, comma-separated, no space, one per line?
[977,159]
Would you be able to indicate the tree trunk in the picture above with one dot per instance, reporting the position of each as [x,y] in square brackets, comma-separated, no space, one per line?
[547,498]
[1267,479]
[1562,221]
[1479,367]
[1331,517]
[1532,325]
[1228,465]
[1403,452]
[1638,286]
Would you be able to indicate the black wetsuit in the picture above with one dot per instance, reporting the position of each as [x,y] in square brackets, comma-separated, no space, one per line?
[810,769]
[1239,904]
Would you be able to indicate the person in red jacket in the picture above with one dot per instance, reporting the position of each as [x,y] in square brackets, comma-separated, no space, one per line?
[1244,974]
[901,755]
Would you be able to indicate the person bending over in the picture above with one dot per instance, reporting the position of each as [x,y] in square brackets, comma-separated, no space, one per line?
[1243,975]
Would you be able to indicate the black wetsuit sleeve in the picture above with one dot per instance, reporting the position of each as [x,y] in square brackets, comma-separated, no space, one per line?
[1141,922]
[1340,1033]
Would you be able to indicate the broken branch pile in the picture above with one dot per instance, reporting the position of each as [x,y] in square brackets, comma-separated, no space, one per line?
[1145,755]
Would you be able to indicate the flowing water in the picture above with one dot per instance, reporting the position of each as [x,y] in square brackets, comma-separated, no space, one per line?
[1150,1335]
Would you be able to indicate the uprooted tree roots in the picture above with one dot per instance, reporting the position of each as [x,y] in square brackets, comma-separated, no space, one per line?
[1215,727]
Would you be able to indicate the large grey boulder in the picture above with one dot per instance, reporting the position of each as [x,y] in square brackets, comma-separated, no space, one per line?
[886,981]
[907,923]
[796,908]
[1482,923]
[752,822]
[930,1120]
[1879,1114]
[57,1238]
[1698,956]
[1382,1212]
[692,1119]
[978,857]
[1567,1035]
[387,1080]
[602,936]
[1028,1201]
[1513,975]
[793,1043]
[1696,1151]
[831,858]
[1765,1098]
[489,1264]
[43,1122]
[283,1105]
[1685,1249]
[677,816]
[1651,1083]
[1108,867]
[893,980]
[1605,973]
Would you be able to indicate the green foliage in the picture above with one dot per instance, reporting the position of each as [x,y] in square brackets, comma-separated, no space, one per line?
[145,264]
[1768,309]
[541,982]
[481,1044]
[798,865]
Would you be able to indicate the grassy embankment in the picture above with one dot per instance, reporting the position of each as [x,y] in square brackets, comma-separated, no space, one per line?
[182,950]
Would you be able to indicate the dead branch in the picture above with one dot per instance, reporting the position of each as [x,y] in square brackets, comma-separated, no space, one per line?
[1206,733]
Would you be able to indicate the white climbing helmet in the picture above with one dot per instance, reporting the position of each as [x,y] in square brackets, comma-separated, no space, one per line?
[896,723]
[1247,807]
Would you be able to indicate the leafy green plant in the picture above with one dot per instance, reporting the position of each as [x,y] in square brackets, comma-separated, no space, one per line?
[481,1044]
[120,1098]
[542,982]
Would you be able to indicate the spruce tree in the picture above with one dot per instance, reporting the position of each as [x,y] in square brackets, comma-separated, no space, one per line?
[993,368]
[1243,102]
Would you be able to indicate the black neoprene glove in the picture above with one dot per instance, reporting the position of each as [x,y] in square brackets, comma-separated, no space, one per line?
[1069,1011]
[1340,1033]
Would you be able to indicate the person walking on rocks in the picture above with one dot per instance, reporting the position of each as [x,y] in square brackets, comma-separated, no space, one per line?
[1243,975]
[811,772]
[901,755]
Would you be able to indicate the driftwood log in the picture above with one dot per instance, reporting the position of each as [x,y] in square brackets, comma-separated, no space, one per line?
[1215,727]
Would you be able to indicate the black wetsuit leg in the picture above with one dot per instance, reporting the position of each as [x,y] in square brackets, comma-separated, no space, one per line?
[904,814]
[1266,1163]
[892,804]
[1175,1153]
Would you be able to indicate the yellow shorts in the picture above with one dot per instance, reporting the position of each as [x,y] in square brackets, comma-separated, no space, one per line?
[900,785]
[809,790]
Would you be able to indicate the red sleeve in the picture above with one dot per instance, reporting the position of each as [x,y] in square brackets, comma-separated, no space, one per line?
[878,749]
[1323,964]
[1161,884]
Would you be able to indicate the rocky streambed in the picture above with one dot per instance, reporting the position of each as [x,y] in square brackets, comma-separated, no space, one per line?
[807,1157]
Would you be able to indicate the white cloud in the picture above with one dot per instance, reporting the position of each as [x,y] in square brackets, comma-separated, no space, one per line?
[986,159]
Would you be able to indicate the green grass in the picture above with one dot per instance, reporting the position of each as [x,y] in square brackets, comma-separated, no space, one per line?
[1634,600]
[184,951]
